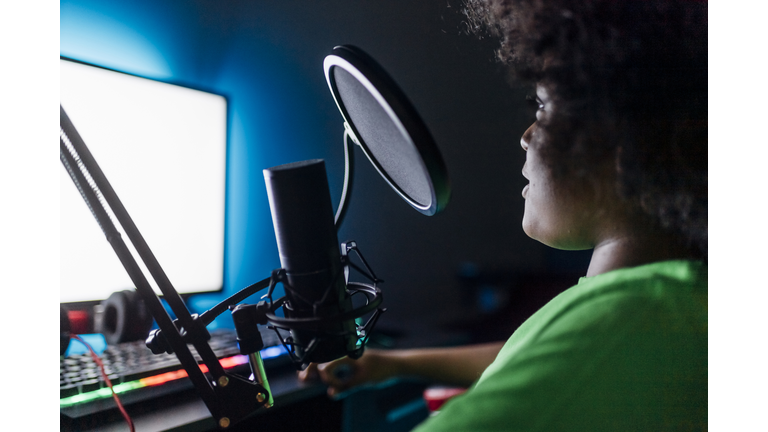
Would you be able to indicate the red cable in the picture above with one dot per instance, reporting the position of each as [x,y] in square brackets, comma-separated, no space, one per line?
[106,380]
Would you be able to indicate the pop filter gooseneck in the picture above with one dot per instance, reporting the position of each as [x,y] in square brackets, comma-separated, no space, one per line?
[383,122]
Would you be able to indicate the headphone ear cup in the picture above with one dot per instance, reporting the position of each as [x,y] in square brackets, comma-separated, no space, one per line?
[124,318]
[64,328]
[139,320]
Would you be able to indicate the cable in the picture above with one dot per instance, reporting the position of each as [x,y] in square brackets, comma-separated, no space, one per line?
[106,380]
[208,316]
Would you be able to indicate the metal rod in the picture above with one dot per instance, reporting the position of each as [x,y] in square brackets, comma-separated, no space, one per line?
[260,376]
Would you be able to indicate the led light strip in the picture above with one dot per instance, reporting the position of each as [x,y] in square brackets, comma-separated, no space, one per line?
[156,380]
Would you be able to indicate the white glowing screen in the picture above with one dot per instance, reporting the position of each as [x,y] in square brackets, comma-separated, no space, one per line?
[163,149]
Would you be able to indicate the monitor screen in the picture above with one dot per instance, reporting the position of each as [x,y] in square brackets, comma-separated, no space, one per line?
[162,147]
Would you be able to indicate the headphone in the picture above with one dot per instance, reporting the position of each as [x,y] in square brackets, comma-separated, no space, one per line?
[123,318]
[64,328]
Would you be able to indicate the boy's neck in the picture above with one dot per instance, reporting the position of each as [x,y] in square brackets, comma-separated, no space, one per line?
[634,250]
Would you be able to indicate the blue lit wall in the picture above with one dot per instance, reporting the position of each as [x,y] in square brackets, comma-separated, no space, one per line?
[171,41]
[266,57]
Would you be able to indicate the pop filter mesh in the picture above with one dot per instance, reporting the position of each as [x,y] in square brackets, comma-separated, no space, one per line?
[391,148]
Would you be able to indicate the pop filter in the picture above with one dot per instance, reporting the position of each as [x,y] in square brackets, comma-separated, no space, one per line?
[383,122]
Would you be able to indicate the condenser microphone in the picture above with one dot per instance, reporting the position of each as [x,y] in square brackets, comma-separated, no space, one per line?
[380,119]
[315,284]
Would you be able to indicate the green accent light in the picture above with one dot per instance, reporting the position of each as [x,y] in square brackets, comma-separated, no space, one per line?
[99,394]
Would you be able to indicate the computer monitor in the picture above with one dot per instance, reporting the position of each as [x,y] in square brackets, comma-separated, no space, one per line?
[163,149]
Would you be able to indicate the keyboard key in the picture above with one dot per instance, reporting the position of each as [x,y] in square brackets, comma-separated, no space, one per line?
[90,385]
[68,390]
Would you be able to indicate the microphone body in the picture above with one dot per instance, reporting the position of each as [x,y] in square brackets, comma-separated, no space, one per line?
[302,215]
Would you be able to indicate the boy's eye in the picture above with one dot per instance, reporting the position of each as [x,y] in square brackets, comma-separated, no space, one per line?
[535,102]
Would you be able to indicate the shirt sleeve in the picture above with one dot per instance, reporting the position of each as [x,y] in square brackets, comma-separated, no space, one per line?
[617,361]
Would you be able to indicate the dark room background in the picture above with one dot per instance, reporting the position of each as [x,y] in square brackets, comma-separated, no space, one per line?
[267,56]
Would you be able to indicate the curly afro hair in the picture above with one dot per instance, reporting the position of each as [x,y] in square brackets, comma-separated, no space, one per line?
[628,79]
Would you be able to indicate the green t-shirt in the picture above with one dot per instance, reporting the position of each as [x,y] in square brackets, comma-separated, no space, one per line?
[621,351]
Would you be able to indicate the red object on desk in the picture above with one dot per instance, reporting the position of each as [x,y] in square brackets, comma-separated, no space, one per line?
[437,396]
[78,320]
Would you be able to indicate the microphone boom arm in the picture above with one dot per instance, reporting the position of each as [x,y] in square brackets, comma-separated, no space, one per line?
[229,397]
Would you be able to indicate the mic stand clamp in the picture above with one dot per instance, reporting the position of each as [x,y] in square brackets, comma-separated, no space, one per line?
[241,396]
[158,344]
[246,318]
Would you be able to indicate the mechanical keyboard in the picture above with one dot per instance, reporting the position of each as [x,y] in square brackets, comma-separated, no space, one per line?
[136,374]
